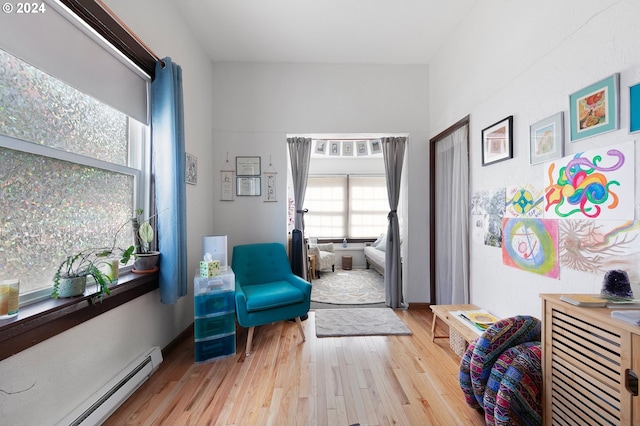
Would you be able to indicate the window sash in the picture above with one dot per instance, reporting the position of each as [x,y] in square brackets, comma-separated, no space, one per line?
[346,206]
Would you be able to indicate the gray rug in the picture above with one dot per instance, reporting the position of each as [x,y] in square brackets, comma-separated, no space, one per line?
[356,287]
[359,322]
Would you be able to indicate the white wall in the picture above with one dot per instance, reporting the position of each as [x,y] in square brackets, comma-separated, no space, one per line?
[256,105]
[67,368]
[524,59]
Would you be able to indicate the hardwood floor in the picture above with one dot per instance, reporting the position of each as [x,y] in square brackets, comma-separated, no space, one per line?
[376,380]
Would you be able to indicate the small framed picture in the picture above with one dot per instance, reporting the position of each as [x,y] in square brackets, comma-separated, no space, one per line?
[634,108]
[248,186]
[594,109]
[321,147]
[334,147]
[376,147]
[547,139]
[191,169]
[361,147]
[347,148]
[248,166]
[497,141]
[226,185]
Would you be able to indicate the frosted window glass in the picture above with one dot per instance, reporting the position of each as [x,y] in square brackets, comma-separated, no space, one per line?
[36,107]
[52,208]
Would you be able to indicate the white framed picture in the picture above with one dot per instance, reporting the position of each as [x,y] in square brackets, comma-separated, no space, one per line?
[321,147]
[347,148]
[376,146]
[334,147]
[361,148]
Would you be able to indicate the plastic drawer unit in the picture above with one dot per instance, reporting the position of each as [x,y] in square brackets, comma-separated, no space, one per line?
[215,316]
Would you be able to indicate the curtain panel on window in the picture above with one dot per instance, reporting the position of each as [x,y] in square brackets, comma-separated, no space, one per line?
[393,151]
[167,134]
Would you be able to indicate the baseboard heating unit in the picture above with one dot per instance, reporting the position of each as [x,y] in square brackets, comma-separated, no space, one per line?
[96,409]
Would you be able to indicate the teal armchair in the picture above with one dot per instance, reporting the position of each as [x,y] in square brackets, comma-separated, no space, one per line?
[266,289]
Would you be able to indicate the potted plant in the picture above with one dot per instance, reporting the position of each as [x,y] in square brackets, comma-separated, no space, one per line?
[146,259]
[70,279]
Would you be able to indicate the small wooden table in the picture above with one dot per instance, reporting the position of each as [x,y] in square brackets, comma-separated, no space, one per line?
[312,267]
[347,262]
[443,312]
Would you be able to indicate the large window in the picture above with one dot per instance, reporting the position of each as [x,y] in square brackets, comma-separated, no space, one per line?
[72,171]
[348,206]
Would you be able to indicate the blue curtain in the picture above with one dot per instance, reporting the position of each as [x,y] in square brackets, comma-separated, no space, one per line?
[167,135]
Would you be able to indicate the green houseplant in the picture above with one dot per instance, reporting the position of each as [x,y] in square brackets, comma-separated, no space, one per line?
[70,278]
[146,259]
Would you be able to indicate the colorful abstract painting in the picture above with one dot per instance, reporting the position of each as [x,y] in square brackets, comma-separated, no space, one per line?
[598,246]
[524,201]
[597,184]
[487,211]
[531,245]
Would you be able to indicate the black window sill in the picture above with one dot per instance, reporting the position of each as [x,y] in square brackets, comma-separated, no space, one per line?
[40,321]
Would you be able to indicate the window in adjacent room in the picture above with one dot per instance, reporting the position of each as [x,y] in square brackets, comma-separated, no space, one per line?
[350,206]
[72,171]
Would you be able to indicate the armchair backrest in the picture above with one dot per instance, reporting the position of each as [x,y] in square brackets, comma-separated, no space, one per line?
[260,263]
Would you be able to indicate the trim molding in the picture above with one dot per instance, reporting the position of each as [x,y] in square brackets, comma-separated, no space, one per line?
[40,321]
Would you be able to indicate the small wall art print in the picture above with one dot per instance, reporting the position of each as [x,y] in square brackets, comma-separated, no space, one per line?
[191,169]
[594,109]
[347,148]
[598,246]
[334,147]
[524,201]
[497,141]
[376,146]
[321,147]
[487,211]
[634,108]
[531,245]
[596,184]
[546,139]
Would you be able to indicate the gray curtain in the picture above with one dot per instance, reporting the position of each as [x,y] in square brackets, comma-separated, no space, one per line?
[393,150]
[300,156]
[452,218]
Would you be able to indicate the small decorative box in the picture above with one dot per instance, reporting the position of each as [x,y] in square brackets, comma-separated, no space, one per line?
[209,269]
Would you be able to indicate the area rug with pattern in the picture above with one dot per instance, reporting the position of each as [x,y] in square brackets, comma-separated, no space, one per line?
[359,322]
[356,287]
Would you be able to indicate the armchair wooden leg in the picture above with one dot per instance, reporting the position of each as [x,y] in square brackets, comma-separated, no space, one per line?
[247,352]
[299,322]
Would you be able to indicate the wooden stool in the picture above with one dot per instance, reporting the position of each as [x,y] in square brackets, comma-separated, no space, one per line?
[347,263]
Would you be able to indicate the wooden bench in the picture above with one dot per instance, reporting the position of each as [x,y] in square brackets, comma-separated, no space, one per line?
[444,314]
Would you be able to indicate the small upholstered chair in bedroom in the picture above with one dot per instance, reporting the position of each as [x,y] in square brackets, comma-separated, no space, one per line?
[325,257]
[266,289]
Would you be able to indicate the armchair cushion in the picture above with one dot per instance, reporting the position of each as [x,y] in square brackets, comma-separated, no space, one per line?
[325,256]
[271,295]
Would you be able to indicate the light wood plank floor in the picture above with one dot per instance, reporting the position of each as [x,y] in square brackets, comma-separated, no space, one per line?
[379,380]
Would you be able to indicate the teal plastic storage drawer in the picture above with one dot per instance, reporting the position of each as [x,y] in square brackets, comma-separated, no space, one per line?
[209,303]
[209,350]
[214,325]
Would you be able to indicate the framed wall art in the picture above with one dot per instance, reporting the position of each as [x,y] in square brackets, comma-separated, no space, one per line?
[226,185]
[191,169]
[248,166]
[347,148]
[546,139]
[334,147]
[361,147]
[248,186]
[497,141]
[634,108]
[321,147]
[594,109]
[376,147]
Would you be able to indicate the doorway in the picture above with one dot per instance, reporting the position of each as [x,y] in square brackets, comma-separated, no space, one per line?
[449,215]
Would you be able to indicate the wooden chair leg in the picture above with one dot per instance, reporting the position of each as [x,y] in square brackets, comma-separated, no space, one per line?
[247,352]
[299,322]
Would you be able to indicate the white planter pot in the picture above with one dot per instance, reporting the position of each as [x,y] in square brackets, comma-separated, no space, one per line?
[146,262]
[71,287]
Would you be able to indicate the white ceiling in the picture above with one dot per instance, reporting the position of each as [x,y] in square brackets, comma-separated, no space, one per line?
[324,31]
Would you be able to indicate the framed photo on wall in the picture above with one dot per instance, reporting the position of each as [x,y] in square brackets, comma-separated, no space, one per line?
[634,108]
[334,147]
[248,186]
[248,166]
[321,147]
[546,139]
[376,147]
[347,148]
[361,147]
[497,141]
[594,109]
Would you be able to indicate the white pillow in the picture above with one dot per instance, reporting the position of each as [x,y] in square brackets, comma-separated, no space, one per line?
[379,240]
[382,245]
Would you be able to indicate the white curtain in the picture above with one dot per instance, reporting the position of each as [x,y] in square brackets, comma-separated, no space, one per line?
[452,218]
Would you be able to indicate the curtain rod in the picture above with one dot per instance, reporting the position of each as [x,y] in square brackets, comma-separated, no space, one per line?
[128,30]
